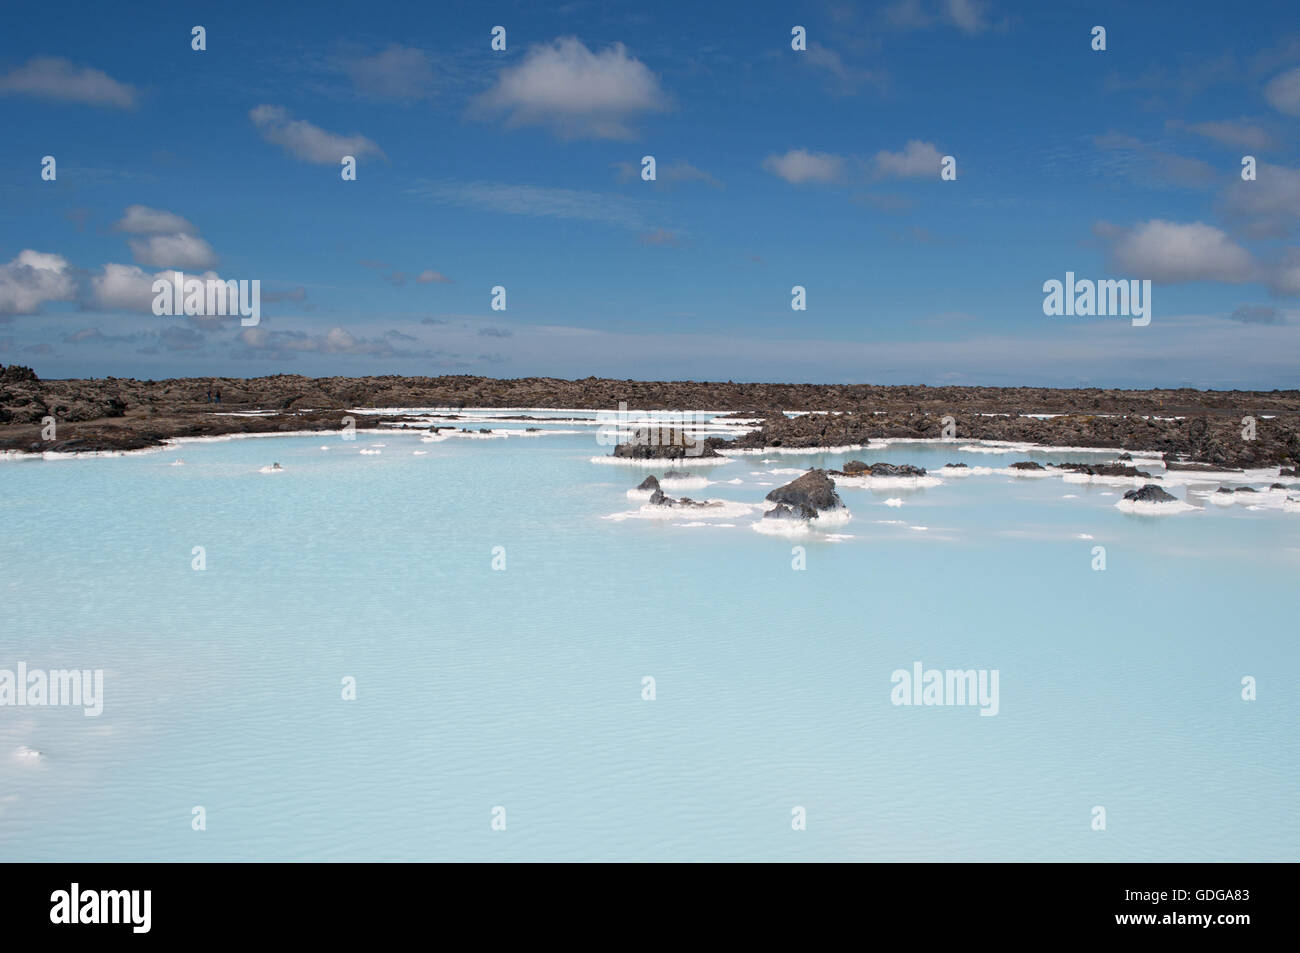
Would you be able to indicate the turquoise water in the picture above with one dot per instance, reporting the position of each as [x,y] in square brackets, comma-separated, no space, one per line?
[522,688]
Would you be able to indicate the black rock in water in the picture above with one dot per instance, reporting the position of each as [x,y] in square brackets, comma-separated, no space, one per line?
[783,511]
[663,443]
[1106,469]
[1027,465]
[815,490]
[956,466]
[1150,494]
[649,483]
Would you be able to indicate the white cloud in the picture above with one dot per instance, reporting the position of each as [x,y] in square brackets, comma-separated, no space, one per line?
[575,92]
[399,72]
[173,251]
[799,166]
[1284,277]
[1168,252]
[1269,207]
[142,220]
[130,287]
[305,141]
[1283,92]
[33,278]
[53,77]
[429,276]
[917,160]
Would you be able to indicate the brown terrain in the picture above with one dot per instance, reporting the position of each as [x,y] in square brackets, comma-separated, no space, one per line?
[1186,425]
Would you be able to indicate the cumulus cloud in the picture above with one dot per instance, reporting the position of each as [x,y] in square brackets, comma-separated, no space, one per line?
[282,345]
[1284,277]
[575,92]
[173,251]
[1169,252]
[917,160]
[130,288]
[429,276]
[55,78]
[142,220]
[399,72]
[799,166]
[33,278]
[307,142]
[1283,92]
[1269,207]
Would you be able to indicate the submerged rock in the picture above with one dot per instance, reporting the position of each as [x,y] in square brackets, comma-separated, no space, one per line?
[659,498]
[1150,494]
[783,511]
[814,491]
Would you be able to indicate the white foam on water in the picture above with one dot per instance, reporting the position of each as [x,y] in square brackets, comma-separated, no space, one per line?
[894,501]
[1148,508]
[419,453]
[718,509]
[791,451]
[888,482]
[684,483]
[27,755]
[660,463]
[271,470]
[371,452]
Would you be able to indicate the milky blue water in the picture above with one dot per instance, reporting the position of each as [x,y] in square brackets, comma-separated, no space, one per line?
[522,688]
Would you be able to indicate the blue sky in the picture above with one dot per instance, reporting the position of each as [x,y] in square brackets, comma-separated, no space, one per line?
[776,168]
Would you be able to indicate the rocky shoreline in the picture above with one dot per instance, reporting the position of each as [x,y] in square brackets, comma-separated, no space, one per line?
[1186,426]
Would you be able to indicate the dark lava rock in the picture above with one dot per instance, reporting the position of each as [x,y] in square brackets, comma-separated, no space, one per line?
[879,470]
[1106,469]
[1125,456]
[1199,467]
[658,498]
[1277,486]
[956,466]
[1245,489]
[814,490]
[676,474]
[1289,471]
[16,374]
[663,443]
[1223,489]
[783,511]
[1150,494]
[1027,465]
[649,483]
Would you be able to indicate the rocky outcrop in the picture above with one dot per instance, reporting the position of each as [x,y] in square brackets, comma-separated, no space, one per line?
[1106,469]
[1027,465]
[784,511]
[814,491]
[1150,494]
[649,483]
[659,498]
[663,443]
